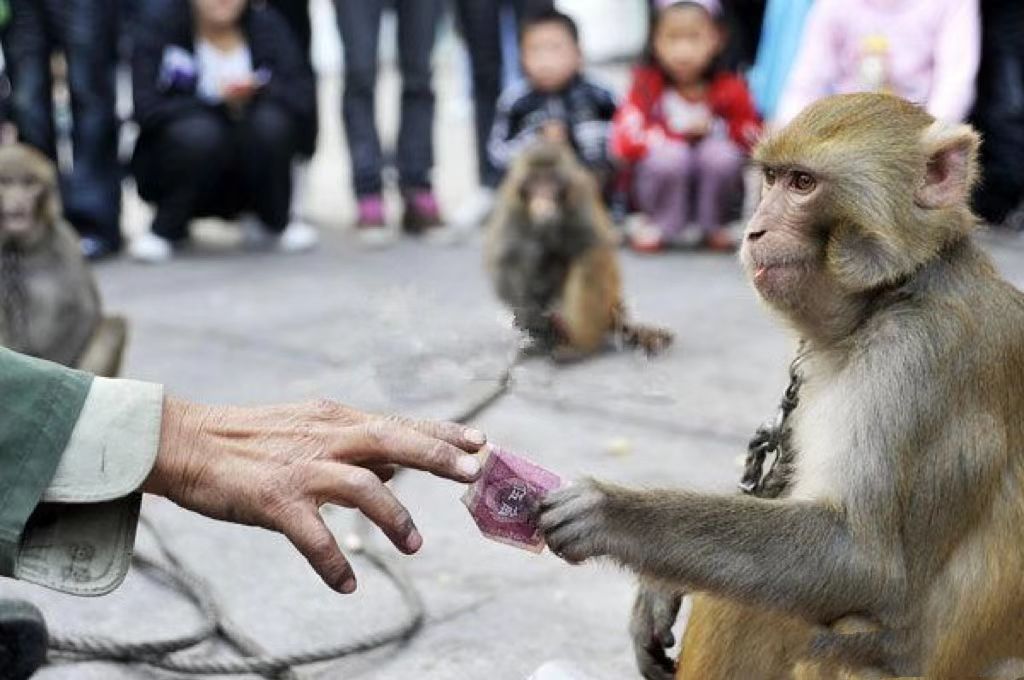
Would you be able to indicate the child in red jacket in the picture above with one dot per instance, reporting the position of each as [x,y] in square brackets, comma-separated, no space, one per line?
[685,127]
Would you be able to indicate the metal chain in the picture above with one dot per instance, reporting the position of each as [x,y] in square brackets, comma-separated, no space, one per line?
[772,439]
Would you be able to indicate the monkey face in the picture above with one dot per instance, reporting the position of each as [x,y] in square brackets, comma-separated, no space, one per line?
[21,203]
[781,249]
[545,196]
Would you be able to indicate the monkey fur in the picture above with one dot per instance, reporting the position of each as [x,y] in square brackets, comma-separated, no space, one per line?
[551,253]
[897,549]
[49,303]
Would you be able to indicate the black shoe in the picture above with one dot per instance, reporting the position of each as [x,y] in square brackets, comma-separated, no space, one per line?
[23,640]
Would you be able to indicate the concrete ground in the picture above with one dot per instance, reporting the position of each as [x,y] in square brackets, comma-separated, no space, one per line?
[416,329]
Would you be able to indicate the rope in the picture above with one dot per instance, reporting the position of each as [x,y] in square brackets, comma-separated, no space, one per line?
[76,648]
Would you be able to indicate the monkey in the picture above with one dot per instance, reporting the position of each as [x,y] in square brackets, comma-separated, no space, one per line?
[551,254]
[49,303]
[895,547]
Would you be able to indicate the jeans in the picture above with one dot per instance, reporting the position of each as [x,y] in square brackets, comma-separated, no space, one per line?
[359,22]
[85,31]
[206,163]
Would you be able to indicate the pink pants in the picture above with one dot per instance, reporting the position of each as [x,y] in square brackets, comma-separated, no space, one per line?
[677,183]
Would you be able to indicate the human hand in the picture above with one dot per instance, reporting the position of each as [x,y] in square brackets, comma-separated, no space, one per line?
[555,131]
[238,92]
[275,466]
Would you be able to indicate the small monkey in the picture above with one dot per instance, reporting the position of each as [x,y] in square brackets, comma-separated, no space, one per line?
[49,304]
[895,547]
[551,253]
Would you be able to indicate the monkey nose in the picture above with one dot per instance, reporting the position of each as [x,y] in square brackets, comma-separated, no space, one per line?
[755,235]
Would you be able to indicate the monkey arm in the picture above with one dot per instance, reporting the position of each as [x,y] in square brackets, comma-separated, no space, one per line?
[795,556]
[102,356]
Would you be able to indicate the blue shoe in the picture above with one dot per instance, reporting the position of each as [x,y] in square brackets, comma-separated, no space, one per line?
[95,248]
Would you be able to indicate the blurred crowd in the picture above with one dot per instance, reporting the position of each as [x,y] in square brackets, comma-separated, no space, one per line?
[224,101]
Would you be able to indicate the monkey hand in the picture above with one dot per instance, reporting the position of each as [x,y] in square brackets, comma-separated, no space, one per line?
[654,613]
[576,521]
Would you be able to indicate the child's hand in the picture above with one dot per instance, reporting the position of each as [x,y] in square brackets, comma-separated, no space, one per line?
[555,131]
[698,128]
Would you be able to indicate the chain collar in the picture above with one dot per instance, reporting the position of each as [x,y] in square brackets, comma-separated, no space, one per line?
[771,440]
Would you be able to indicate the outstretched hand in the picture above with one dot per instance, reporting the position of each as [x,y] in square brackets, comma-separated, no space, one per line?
[275,466]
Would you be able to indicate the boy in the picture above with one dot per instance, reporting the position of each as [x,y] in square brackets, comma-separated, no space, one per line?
[554,101]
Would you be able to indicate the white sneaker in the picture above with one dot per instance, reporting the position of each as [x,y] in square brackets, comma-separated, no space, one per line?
[298,237]
[255,235]
[151,249]
[474,210]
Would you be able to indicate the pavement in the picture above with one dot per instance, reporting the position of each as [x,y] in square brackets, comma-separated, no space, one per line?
[416,329]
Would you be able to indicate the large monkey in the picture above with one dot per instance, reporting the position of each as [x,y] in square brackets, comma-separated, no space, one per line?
[49,305]
[896,547]
[551,253]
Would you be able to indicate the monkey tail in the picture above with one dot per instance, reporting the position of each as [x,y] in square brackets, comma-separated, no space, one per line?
[651,339]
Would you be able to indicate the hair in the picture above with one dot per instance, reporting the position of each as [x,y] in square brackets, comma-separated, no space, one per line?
[650,59]
[549,16]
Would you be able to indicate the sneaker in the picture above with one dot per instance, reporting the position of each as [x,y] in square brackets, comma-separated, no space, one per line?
[151,249]
[422,212]
[297,237]
[475,210]
[720,241]
[371,223]
[645,237]
[689,238]
[95,248]
[255,235]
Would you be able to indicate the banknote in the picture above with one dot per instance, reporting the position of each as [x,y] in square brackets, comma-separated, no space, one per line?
[504,500]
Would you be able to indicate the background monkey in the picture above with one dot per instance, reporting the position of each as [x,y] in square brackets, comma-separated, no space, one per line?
[896,548]
[551,253]
[49,304]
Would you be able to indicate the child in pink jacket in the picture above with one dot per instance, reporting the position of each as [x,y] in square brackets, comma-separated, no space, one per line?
[924,50]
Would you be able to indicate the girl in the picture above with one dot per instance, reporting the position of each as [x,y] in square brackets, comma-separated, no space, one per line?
[685,127]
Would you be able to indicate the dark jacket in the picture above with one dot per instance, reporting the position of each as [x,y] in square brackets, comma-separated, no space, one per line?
[585,108]
[275,53]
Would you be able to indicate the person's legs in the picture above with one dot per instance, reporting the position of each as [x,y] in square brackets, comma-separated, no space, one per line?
[481,28]
[661,187]
[417,30]
[359,23]
[92,192]
[27,49]
[191,156]
[266,145]
[719,168]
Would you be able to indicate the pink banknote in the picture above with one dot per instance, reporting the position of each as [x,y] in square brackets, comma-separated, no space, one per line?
[504,501]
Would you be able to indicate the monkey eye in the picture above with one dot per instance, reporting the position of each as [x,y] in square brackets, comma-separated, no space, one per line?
[769,176]
[803,182]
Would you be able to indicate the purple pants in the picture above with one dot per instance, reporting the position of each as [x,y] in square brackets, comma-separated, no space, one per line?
[677,184]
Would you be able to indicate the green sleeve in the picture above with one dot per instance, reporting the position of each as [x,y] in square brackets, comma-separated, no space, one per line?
[39,405]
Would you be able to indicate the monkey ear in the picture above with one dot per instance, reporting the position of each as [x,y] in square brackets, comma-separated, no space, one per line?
[951,152]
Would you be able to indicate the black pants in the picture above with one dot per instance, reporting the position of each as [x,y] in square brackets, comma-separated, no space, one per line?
[208,164]
[85,31]
[480,21]
[359,23]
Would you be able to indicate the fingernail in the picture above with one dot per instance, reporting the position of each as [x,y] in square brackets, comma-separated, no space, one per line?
[349,586]
[414,541]
[475,437]
[468,466]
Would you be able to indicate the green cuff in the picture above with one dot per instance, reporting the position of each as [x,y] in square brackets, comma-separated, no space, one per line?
[39,406]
